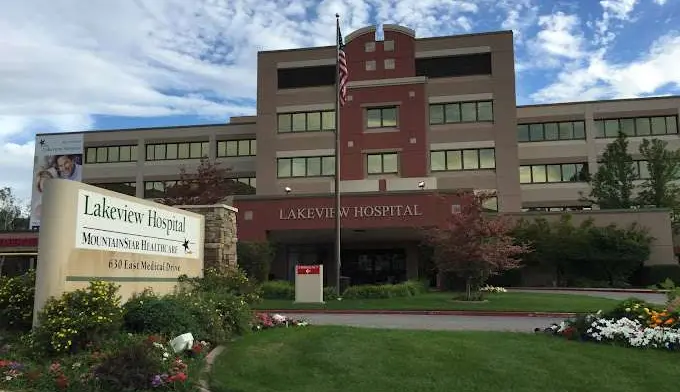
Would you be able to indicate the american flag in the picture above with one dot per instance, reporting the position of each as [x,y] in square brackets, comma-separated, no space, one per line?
[343,74]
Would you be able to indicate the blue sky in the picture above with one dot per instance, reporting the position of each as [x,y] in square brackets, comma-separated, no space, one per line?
[76,65]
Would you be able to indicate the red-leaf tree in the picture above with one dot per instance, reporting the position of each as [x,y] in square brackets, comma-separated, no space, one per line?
[474,244]
[210,184]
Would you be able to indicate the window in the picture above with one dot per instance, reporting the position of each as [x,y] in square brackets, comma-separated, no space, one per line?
[369,46]
[111,154]
[370,65]
[306,121]
[389,63]
[446,113]
[639,126]
[246,186]
[237,148]
[642,170]
[381,117]
[388,46]
[557,209]
[454,66]
[126,188]
[156,189]
[385,163]
[471,159]
[247,180]
[553,173]
[564,130]
[323,75]
[306,167]
[170,151]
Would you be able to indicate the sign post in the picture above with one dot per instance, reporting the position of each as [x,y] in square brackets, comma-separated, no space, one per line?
[309,284]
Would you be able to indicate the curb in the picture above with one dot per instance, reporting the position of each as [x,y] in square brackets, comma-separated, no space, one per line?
[598,290]
[422,312]
[203,385]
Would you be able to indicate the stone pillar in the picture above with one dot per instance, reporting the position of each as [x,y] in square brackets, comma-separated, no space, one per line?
[220,234]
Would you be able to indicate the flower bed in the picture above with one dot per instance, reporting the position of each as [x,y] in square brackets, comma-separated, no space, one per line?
[633,323]
[130,362]
[493,289]
[263,321]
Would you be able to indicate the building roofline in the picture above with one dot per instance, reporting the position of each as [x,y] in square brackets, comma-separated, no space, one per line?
[500,32]
[151,128]
[598,101]
[431,192]
[497,32]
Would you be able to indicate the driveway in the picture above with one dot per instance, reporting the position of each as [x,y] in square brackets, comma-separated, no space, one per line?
[442,323]
[649,297]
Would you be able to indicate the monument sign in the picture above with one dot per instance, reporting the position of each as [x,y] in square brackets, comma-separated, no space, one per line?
[88,233]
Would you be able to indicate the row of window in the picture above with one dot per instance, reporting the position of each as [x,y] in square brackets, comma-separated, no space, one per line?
[171,151]
[561,172]
[468,159]
[575,130]
[640,126]
[565,130]
[557,209]
[448,113]
[306,121]
[306,166]
[111,154]
[157,189]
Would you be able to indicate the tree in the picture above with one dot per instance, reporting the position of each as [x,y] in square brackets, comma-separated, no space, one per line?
[663,166]
[612,185]
[555,245]
[13,216]
[611,253]
[210,184]
[474,244]
[255,258]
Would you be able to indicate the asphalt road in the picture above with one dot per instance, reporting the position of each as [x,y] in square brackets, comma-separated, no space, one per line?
[442,323]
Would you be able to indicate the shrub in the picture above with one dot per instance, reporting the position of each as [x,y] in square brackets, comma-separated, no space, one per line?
[329,294]
[130,368]
[228,280]
[151,314]
[16,301]
[278,289]
[255,258]
[79,318]
[378,291]
[417,287]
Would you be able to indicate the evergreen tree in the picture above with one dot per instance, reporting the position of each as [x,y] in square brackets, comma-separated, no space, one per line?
[612,185]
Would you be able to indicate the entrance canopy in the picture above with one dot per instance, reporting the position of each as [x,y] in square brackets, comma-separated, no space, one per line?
[315,214]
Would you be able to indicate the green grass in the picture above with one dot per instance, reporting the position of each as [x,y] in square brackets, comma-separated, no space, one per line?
[330,359]
[532,302]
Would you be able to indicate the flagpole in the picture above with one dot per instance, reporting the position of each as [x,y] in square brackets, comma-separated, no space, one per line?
[338,247]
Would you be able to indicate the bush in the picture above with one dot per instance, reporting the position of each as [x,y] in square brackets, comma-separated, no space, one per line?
[255,258]
[378,291]
[79,318]
[329,294]
[129,368]
[278,289]
[229,280]
[16,301]
[168,316]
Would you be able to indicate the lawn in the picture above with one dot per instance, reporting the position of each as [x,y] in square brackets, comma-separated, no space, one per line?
[353,359]
[531,302]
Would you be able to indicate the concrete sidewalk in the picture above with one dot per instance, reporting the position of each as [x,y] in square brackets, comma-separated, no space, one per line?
[441,323]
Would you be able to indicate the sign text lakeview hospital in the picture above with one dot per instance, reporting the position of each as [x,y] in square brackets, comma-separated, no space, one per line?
[358,212]
[109,223]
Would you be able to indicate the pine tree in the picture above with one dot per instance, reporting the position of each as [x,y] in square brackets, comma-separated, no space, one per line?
[612,185]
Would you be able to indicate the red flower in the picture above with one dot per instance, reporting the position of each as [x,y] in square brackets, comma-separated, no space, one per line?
[4,363]
[61,381]
[177,377]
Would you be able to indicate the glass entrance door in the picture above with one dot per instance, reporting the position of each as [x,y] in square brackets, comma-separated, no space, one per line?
[374,266]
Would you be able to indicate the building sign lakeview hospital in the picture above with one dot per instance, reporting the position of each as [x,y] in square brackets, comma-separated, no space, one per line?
[357,212]
[111,224]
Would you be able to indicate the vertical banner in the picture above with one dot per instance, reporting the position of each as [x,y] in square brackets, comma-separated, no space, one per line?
[56,156]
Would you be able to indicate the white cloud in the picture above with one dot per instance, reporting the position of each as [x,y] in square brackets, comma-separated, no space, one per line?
[612,11]
[660,2]
[599,78]
[560,39]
